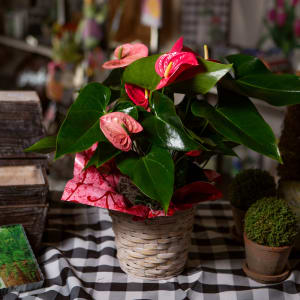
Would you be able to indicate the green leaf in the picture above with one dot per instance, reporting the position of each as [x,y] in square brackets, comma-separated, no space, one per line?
[165,128]
[278,90]
[153,173]
[244,65]
[203,82]
[104,153]
[221,146]
[113,80]
[237,119]
[127,107]
[45,145]
[142,73]
[253,79]
[81,128]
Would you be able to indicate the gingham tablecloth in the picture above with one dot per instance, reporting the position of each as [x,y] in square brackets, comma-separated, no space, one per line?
[79,261]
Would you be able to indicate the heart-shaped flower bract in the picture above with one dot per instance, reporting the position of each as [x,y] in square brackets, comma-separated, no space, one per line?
[116,127]
[194,153]
[180,60]
[138,95]
[125,55]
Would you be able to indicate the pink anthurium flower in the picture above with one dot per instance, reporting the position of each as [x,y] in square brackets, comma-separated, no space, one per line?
[171,65]
[117,126]
[138,95]
[125,55]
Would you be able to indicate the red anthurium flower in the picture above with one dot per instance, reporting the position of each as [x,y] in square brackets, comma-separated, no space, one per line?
[193,153]
[126,54]
[172,64]
[138,95]
[212,175]
[197,191]
[116,127]
[179,47]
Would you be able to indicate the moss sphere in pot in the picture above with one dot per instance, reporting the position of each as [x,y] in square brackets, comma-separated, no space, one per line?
[247,187]
[270,231]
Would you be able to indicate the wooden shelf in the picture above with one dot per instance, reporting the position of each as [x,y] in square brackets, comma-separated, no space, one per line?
[22,45]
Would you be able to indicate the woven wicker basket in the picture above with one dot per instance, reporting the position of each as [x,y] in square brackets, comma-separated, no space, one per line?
[154,248]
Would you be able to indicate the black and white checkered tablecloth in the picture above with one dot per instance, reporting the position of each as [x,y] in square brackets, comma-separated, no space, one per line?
[79,262]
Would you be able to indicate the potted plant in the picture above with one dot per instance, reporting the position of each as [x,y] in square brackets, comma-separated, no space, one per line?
[270,231]
[246,188]
[66,55]
[283,26]
[143,157]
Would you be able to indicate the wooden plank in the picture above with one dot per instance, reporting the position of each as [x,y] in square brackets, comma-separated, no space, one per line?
[41,161]
[21,175]
[32,217]
[23,185]
[22,45]
[19,96]
[20,123]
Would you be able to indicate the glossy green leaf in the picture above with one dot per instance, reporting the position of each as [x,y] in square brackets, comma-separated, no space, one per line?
[277,90]
[153,173]
[237,119]
[221,146]
[253,79]
[81,128]
[127,107]
[113,80]
[165,128]
[142,72]
[203,82]
[244,65]
[104,153]
[45,145]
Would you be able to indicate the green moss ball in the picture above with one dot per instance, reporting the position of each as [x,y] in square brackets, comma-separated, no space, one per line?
[249,186]
[271,222]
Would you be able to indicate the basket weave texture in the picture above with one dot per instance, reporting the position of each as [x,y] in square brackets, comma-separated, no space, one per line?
[154,248]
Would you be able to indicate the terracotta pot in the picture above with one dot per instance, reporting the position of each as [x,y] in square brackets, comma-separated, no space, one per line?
[270,262]
[238,218]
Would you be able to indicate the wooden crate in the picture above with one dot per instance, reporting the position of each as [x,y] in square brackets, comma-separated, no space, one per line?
[20,124]
[23,191]
[32,217]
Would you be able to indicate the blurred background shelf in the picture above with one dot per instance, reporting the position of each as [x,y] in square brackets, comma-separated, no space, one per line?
[23,45]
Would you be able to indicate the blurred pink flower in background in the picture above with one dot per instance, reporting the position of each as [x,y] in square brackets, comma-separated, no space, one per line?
[272,15]
[125,55]
[280,3]
[116,127]
[297,28]
[295,2]
[281,18]
[138,95]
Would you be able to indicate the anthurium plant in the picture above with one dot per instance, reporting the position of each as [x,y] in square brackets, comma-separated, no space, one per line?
[130,126]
